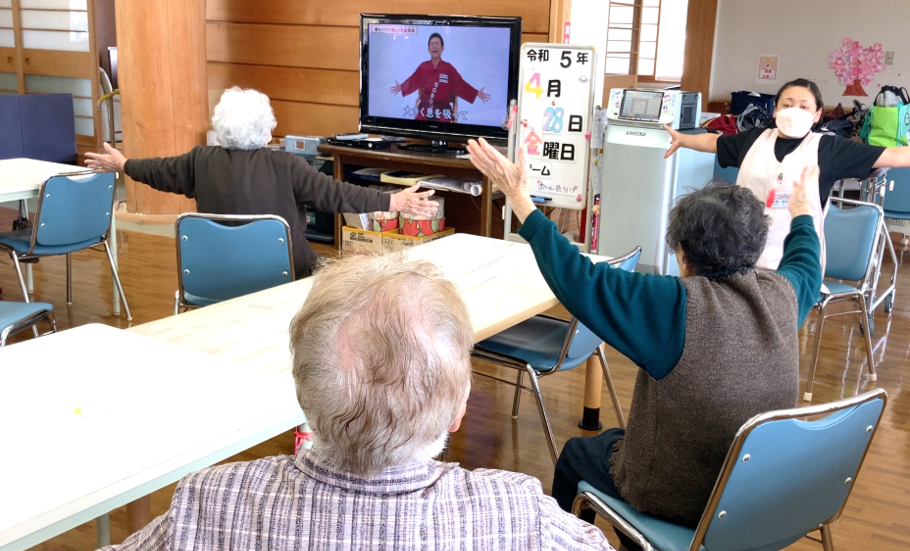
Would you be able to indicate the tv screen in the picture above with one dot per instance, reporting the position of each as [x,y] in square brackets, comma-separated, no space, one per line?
[438,77]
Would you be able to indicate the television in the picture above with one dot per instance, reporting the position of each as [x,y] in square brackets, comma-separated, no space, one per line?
[439,78]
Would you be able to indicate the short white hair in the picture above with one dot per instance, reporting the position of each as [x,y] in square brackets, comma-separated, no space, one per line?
[243,119]
[382,360]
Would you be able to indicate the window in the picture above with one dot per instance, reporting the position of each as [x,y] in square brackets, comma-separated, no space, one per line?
[647,38]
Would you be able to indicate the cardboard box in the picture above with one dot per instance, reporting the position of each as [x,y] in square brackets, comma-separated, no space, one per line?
[354,240]
[421,228]
[394,242]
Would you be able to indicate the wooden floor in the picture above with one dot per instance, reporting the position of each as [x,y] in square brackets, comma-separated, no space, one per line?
[877,516]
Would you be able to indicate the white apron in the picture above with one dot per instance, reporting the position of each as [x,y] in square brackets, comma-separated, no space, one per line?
[772,182]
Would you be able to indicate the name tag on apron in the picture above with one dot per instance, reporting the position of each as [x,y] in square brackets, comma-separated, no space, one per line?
[779,194]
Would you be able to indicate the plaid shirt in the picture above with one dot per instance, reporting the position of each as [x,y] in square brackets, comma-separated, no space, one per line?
[286,503]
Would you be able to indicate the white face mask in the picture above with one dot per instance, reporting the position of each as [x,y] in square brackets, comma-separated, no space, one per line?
[794,122]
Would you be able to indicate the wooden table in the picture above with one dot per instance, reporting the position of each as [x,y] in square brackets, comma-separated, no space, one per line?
[96,417]
[395,158]
[21,179]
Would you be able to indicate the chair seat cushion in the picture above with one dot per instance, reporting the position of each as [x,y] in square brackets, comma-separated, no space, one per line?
[537,341]
[662,535]
[20,240]
[837,288]
[13,312]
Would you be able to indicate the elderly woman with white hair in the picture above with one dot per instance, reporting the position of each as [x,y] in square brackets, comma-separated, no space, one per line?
[242,176]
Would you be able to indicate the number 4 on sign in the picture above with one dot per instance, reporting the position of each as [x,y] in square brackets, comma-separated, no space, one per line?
[535,79]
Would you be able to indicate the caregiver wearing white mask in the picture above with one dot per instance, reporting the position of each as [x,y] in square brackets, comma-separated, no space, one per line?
[771,159]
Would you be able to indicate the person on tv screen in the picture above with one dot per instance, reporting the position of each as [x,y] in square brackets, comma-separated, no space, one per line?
[438,85]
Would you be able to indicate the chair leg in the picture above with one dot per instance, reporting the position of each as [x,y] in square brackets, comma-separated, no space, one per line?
[617,409]
[551,442]
[813,363]
[176,302]
[827,542]
[69,278]
[19,273]
[116,274]
[516,403]
[864,316]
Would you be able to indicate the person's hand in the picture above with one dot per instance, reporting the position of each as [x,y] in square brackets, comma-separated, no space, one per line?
[410,201]
[395,89]
[484,97]
[674,141]
[511,178]
[113,161]
[799,201]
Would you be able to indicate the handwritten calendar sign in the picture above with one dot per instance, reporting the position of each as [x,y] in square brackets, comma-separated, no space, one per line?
[555,104]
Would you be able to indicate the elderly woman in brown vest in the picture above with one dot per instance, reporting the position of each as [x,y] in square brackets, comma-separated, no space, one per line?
[715,346]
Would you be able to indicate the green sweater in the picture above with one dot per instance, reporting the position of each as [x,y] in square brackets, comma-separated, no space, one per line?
[643,316]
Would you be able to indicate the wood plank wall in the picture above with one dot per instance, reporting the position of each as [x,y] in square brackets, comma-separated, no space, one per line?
[304,54]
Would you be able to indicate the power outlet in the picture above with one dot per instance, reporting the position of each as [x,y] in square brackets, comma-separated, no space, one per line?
[889,58]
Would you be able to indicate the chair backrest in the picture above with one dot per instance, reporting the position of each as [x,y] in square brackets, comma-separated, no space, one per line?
[897,200]
[220,257]
[850,236]
[785,476]
[584,340]
[730,174]
[38,126]
[74,210]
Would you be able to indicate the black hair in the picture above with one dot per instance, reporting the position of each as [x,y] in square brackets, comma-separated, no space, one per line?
[803,83]
[439,36]
[721,228]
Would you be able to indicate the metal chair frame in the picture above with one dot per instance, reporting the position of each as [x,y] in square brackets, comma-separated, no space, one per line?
[534,375]
[25,323]
[242,219]
[103,241]
[864,294]
[588,500]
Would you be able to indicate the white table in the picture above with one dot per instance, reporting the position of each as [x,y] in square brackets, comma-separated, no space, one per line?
[21,179]
[95,417]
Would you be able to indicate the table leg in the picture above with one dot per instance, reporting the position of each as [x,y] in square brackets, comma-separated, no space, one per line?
[29,280]
[486,208]
[112,242]
[103,530]
[593,380]
[139,514]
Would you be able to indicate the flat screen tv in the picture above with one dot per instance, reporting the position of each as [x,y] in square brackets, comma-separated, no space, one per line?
[440,78]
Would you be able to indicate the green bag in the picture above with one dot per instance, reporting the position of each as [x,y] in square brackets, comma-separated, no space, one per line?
[888,126]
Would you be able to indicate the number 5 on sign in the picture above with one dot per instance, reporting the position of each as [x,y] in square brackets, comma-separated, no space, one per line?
[535,79]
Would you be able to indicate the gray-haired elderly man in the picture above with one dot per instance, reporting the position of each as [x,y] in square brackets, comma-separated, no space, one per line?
[243,176]
[383,371]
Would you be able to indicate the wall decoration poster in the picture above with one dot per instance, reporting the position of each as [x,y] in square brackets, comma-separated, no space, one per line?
[767,68]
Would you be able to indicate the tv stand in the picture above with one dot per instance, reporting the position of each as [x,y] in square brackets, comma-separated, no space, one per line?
[462,210]
[435,146]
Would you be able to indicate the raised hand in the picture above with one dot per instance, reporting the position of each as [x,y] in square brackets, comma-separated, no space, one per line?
[395,89]
[511,178]
[484,97]
[674,141]
[799,201]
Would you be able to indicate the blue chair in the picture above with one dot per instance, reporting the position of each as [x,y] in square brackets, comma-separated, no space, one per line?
[73,214]
[783,478]
[897,203]
[852,238]
[730,174]
[16,316]
[544,345]
[220,257]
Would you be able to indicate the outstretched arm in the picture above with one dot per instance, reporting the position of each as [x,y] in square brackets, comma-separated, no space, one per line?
[170,174]
[801,263]
[894,157]
[113,161]
[706,143]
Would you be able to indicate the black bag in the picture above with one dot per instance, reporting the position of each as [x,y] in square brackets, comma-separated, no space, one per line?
[742,99]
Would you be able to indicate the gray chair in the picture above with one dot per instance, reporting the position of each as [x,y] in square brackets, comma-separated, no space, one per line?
[783,478]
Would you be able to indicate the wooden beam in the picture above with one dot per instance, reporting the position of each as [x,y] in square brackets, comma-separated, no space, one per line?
[698,57]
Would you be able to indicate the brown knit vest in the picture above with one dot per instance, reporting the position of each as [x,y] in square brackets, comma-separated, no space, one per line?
[740,358]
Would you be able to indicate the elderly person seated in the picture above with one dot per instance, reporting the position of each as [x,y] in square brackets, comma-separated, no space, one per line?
[715,346]
[382,364]
[242,176]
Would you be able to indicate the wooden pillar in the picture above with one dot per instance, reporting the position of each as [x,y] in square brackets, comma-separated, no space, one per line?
[163,89]
[701,19]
